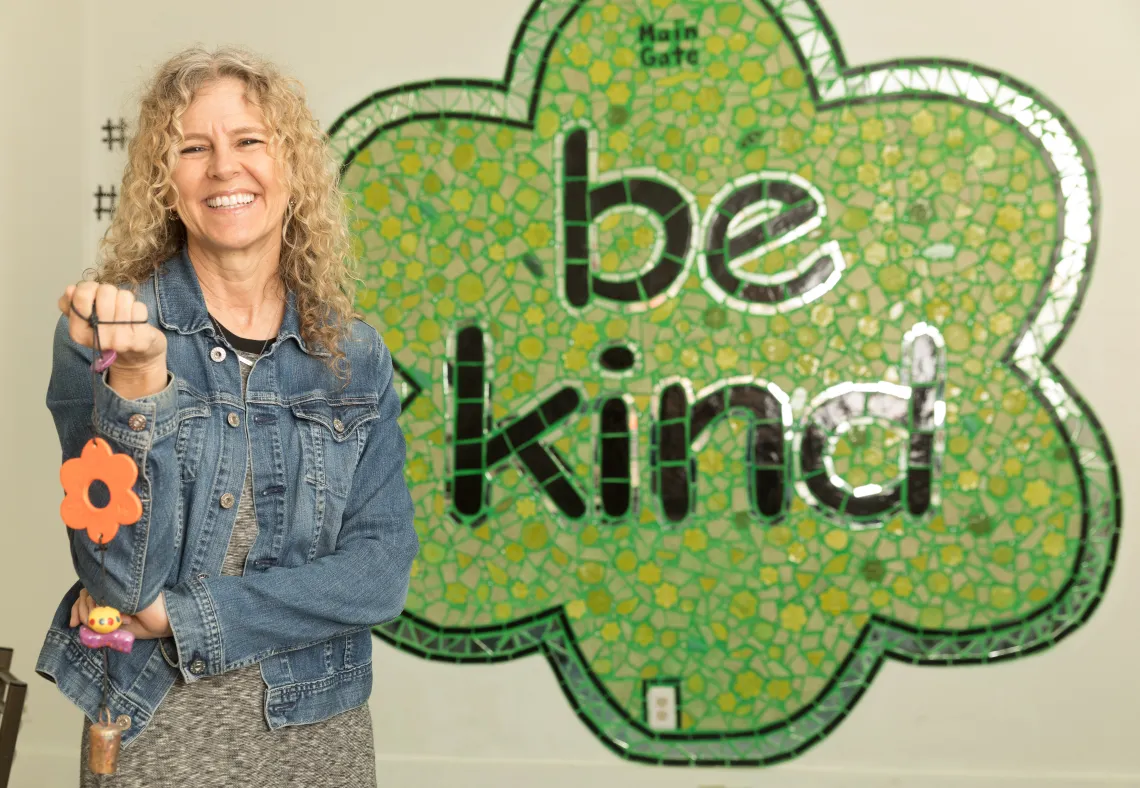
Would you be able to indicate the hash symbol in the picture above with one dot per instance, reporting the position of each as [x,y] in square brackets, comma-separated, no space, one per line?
[110,138]
[109,208]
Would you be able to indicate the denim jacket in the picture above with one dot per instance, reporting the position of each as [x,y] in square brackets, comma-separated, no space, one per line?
[335,537]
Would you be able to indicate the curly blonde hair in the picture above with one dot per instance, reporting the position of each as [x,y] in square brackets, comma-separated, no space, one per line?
[316,254]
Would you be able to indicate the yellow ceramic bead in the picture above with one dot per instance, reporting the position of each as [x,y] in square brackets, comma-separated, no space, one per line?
[104,620]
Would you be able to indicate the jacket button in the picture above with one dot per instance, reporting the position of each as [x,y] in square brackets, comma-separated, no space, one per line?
[198,667]
[227,501]
[233,419]
[123,721]
[338,425]
[218,354]
[137,422]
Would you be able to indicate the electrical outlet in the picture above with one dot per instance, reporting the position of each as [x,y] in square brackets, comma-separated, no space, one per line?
[661,707]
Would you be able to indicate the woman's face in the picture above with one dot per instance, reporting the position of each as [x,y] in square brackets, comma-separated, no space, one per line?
[230,194]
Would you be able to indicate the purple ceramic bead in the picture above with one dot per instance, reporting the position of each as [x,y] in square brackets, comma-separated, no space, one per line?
[105,360]
[119,640]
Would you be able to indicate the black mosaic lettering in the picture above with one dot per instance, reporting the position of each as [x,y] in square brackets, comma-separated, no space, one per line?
[480,447]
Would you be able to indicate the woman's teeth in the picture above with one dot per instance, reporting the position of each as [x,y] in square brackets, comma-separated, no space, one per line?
[230,200]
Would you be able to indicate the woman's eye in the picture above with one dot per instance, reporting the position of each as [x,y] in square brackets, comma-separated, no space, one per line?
[192,149]
[249,142]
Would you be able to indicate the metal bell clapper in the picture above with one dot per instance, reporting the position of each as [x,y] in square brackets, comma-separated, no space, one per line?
[105,737]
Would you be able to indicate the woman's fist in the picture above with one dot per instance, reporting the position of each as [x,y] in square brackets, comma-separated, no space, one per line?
[137,343]
[140,348]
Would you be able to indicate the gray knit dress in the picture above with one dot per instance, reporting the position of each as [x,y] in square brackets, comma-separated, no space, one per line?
[212,733]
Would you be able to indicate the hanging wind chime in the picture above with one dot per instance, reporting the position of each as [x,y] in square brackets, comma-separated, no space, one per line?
[103,628]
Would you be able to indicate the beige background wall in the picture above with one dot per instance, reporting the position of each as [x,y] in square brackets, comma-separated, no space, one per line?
[1068,717]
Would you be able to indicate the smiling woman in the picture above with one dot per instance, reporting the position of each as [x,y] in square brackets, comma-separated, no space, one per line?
[239,374]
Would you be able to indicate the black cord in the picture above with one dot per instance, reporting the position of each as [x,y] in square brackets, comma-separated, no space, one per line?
[94,321]
[100,601]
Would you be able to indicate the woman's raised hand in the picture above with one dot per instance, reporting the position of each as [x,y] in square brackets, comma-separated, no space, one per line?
[139,368]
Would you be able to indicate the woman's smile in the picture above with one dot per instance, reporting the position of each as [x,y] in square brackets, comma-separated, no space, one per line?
[231,202]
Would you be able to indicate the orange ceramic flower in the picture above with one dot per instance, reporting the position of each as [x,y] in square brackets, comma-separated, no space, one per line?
[118,472]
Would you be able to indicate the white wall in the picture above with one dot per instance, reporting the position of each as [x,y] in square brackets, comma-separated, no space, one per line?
[1069,716]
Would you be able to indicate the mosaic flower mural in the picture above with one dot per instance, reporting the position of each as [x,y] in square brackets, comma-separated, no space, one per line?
[726,367]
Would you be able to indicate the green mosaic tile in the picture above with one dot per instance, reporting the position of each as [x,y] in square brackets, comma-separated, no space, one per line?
[725,367]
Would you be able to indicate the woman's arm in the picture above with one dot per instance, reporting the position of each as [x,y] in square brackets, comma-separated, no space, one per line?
[364,582]
[140,558]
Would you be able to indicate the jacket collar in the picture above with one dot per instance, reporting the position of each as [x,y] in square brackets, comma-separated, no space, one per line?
[182,308]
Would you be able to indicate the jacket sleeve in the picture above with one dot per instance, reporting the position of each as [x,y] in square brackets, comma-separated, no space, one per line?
[140,558]
[363,582]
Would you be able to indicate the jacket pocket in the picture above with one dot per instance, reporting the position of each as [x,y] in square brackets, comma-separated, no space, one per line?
[333,437]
